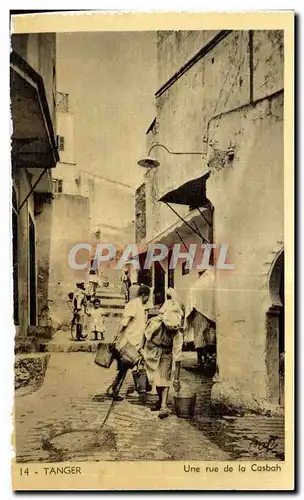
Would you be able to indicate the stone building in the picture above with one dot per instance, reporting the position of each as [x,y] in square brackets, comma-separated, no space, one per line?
[33,157]
[221,95]
[88,208]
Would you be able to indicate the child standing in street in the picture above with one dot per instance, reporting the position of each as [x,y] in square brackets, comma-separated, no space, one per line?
[97,320]
[92,285]
[126,283]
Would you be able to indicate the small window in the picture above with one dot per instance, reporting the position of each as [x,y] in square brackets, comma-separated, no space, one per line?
[57,186]
[60,143]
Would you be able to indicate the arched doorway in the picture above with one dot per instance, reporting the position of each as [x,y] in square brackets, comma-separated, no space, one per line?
[276,331]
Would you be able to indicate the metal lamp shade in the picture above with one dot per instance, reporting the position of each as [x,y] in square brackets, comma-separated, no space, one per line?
[148,162]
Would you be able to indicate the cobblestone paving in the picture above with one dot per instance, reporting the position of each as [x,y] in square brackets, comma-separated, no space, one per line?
[246,437]
[62,420]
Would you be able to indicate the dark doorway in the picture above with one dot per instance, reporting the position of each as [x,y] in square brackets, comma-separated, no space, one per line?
[144,276]
[159,284]
[32,273]
[276,332]
[170,271]
[15,256]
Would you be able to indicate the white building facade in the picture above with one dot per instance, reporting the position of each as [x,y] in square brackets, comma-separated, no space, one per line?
[222,95]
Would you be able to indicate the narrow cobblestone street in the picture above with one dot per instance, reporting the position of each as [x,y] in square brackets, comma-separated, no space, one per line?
[62,420]
[149,172]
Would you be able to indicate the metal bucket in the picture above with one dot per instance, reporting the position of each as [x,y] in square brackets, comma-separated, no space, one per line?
[140,380]
[128,355]
[184,403]
[104,355]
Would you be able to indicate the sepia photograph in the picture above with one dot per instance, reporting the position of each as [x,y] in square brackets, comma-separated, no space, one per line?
[148,248]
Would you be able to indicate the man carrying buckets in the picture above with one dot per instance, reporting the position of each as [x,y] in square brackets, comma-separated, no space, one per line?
[164,342]
[129,339]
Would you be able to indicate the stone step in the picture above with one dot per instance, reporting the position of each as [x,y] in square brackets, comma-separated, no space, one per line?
[108,294]
[114,313]
[72,346]
[110,290]
[62,341]
[116,303]
[112,307]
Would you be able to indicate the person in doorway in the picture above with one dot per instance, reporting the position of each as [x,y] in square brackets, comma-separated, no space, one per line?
[131,330]
[97,325]
[200,319]
[202,331]
[162,348]
[126,284]
[80,309]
